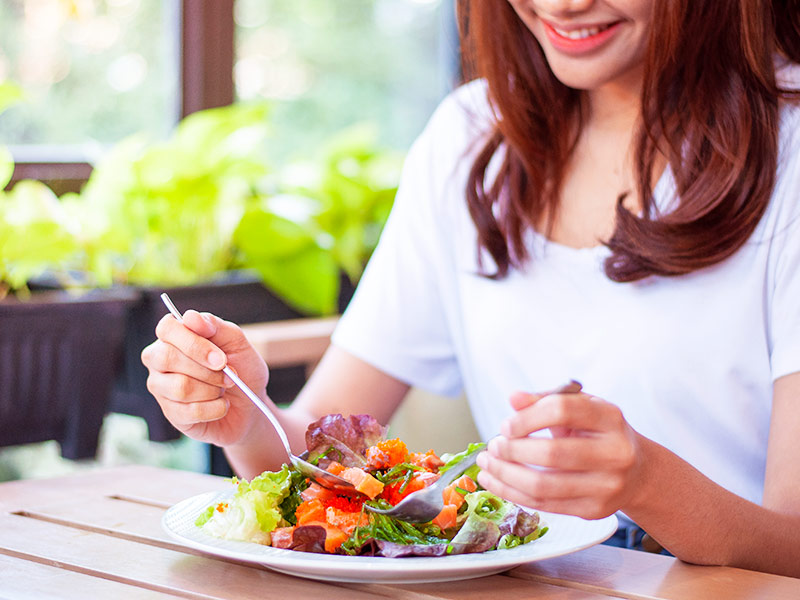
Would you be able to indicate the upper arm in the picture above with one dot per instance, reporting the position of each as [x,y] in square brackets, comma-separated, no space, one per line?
[343,383]
[782,479]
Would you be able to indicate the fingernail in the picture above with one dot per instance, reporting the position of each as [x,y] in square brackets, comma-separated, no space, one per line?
[216,359]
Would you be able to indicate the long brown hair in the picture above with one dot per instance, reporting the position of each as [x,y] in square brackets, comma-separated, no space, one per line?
[709,104]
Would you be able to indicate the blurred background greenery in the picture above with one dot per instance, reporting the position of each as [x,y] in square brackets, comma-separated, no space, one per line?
[94,72]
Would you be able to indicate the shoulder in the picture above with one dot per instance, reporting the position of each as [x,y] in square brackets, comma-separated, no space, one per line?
[440,158]
[463,118]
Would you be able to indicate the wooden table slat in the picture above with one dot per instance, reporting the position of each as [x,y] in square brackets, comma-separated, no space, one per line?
[638,575]
[26,580]
[154,568]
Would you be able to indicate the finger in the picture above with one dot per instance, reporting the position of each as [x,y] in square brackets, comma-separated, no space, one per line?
[180,388]
[166,358]
[568,453]
[520,400]
[226,335]
[550,483]
[586,507]
[575,411]
[193,345]
[185,414]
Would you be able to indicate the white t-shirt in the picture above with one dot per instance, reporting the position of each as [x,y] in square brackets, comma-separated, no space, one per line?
[690,360]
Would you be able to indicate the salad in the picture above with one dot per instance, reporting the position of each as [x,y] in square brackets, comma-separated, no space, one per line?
[285,510]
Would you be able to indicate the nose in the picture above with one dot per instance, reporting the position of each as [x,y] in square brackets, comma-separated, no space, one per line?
[562,7]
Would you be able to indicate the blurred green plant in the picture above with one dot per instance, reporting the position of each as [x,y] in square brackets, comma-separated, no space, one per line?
[37,233]
[169,208]
[325,218]
[203,203]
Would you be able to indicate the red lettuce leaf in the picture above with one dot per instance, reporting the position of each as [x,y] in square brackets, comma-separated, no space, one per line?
[308,538]
[343,439]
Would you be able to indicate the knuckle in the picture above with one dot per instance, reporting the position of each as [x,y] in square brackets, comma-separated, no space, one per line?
[198,348]
[183,387]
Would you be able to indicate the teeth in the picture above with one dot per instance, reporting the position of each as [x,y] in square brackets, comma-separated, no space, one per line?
[579,34]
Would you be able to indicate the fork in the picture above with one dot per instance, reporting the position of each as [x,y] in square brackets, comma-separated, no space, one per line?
[322,477]
[423,505]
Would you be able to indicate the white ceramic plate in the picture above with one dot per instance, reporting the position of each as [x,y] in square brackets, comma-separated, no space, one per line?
[566,534]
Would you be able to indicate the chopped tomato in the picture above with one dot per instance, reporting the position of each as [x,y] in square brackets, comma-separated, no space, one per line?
[310,510]
[282,537]
[427,460]
[395,492]
[345,520]
[447,517]
[386,454]
[363,481]
[451,493]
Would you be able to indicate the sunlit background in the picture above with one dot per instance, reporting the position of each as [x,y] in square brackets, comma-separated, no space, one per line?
[95,71]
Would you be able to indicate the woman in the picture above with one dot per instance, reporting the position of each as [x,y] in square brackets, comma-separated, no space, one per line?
[615,199]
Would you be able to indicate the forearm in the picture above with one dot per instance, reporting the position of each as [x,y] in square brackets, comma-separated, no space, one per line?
[701,522]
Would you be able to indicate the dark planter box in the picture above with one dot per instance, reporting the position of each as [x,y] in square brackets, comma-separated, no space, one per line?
[59,355]
[239,298]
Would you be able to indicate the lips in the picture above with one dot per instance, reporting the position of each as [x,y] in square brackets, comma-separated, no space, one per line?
[580,39]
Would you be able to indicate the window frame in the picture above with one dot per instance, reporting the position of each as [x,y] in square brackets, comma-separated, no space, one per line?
[206,54]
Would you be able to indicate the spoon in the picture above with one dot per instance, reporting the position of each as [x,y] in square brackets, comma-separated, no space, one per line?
[423,505]
[313,472]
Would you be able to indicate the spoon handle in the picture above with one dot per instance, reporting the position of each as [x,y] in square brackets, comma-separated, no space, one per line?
[240,384]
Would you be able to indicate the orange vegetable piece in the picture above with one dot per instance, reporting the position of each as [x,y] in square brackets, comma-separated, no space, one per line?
[447,517]
[363,481]
[386,454]
[310,510]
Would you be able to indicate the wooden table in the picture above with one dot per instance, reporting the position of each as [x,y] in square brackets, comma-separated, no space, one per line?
[98,535]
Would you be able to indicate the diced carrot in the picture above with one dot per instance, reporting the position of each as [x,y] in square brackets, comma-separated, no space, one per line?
[386,454]
[447,517]
[362,481]
[310,510]
[335,467]
[315,490]
[345,520]
[427,460]
[282,537]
